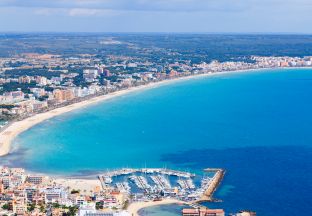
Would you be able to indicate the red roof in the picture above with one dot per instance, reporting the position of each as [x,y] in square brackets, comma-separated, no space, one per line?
[191,211]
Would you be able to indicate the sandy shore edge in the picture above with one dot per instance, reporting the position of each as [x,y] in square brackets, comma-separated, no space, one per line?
[7,136]
[135,207]
[85,186]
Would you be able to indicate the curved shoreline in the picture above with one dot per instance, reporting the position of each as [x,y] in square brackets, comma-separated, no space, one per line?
[134,208]
[9,134]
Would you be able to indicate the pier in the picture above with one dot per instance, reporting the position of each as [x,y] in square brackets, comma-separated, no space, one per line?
[161,182]
[141,182]
[213,184]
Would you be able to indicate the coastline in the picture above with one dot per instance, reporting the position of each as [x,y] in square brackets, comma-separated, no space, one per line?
[9,134]
[74,182]
[134,208]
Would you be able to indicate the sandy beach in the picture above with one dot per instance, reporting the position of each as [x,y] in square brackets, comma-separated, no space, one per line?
[8,135]
[85,186]
[134,208]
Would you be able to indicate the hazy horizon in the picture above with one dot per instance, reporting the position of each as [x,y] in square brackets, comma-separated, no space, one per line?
[147,16]
[156,33]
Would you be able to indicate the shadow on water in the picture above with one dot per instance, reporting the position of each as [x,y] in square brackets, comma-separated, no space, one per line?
[15,158]
[269,180]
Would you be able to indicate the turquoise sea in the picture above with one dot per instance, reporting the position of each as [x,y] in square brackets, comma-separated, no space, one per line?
[256,125]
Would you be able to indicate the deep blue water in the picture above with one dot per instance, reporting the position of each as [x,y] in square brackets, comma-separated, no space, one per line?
[256,125]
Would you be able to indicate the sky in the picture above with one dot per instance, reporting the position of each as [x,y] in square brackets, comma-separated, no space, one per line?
[211,16]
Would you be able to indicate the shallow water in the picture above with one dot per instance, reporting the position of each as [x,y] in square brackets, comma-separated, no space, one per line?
[256,125]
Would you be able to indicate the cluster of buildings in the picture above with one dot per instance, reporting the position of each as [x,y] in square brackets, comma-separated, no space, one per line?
[24,194]
[258,62]
[52,81]
[42,93]
[273,62]
[212,212]
[27,194]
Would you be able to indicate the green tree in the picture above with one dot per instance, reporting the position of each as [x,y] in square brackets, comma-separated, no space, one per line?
[56,205]
[31,207]
[72,210]
[42,209]
[6,206]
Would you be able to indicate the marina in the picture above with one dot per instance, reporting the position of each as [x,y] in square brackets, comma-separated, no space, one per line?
[154,184]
